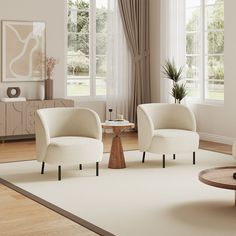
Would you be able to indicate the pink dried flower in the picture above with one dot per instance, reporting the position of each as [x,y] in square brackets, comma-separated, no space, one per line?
[50,64]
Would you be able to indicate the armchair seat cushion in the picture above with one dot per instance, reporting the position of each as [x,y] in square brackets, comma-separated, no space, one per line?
[65,150]
[169,141]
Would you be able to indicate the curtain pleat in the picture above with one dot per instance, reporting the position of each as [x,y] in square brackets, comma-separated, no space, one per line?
[119,65]
[135,19]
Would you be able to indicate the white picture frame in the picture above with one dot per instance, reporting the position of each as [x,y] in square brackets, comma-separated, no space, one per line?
[23,51]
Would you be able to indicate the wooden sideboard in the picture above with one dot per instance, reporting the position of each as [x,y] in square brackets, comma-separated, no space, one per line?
[17,118]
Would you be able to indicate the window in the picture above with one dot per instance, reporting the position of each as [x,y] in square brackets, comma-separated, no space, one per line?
[205,49]
[86,58]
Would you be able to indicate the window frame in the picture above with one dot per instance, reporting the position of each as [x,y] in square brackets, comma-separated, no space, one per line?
[92,77]
[204,54]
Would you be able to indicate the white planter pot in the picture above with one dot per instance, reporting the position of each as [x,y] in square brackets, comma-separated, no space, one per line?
[41,92]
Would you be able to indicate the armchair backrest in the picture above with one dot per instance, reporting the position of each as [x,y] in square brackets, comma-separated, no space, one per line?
[170,116]
[71,122]
[154,116]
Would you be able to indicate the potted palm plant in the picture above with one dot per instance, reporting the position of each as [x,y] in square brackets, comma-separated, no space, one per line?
[171,72]
[178,92]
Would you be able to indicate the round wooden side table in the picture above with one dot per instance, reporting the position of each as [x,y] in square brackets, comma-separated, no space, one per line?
[220,177]
[117,160]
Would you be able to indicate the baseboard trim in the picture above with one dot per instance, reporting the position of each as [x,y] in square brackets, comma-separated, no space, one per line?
[216,138]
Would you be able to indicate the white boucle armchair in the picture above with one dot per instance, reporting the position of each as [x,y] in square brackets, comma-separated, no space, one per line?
[166,129]
[68,136]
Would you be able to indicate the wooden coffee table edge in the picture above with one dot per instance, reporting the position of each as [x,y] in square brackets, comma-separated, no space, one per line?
[213,183]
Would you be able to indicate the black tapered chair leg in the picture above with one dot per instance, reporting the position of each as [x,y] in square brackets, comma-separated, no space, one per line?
[97,168]
[194,158]
[143,157]
[80,166]
[174,156]
[163,161]
[59,173]
[42,170]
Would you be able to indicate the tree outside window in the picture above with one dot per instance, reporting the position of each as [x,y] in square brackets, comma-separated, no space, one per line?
[205,48]
[86,58]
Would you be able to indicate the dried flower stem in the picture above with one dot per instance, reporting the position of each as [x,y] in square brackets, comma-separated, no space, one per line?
[50,64]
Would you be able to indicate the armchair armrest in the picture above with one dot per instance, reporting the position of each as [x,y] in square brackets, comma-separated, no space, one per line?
[92,127]
[42,137]
[184,118]
[145,129]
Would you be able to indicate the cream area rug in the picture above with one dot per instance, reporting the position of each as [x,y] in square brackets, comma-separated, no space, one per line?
[142,199]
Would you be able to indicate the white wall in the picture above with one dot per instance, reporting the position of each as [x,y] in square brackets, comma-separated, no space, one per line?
[214,122]
[219,121]
[98,106]
[53,13]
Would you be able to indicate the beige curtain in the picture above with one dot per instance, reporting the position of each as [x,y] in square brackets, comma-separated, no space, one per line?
[135,19]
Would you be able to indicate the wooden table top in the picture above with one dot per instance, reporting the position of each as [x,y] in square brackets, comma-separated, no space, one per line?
[221,177]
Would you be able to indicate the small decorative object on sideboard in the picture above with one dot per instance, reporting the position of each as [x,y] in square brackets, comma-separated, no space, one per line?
[13,92]
[41,92]
[234,175]
[50,64]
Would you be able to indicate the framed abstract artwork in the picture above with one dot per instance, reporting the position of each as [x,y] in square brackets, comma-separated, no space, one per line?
[23,51]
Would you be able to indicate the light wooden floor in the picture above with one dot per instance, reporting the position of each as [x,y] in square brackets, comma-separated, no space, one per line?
[22,216]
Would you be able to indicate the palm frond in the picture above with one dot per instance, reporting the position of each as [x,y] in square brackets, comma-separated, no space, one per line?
[179,91]
[171,72]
